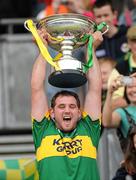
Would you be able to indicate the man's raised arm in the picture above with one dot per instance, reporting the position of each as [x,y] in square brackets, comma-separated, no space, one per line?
[93,98]
[39,103]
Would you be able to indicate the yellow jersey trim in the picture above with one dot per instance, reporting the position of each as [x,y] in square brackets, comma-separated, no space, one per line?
[72,148]
[47,115]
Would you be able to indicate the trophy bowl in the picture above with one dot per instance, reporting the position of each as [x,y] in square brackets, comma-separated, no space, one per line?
[64,33]
[67,26]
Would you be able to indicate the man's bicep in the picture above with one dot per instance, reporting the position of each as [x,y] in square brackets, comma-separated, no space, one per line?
[93,105]
[39,105]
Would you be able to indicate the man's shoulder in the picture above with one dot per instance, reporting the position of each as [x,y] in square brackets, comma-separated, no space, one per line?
[86,118]
[46,119]
[122,30]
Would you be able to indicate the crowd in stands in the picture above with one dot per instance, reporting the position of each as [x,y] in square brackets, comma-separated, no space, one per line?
[117,58]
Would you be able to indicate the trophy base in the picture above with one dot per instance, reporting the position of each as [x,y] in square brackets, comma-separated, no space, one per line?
[67,78]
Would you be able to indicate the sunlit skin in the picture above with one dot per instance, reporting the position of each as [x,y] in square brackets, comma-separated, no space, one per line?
[131,94]
[106,69]
[66,113]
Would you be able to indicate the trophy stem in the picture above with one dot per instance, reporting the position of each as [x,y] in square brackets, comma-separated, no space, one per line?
[67,47]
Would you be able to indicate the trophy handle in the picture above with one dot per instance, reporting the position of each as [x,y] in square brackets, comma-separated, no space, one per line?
[31,26]
[89,63]
[107,29]
[101,26]
[26,25]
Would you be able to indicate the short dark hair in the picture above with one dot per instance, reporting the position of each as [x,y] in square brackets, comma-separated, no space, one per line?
[101,3]
[65,93]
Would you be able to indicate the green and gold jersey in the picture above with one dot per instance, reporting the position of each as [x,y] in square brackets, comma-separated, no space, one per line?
[67,156]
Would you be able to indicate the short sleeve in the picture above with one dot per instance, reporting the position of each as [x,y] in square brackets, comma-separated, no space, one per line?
[38,129]
[94,129]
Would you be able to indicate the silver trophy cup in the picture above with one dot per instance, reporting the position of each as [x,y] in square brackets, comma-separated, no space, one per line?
[67,32]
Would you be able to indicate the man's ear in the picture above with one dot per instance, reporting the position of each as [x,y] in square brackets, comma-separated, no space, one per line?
[115,14]
[52,113]
[80,113]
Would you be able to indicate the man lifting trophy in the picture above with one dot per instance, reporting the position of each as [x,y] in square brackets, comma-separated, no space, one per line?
[66,32]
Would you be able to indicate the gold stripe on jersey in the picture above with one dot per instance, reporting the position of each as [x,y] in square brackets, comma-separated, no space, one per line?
[55,146]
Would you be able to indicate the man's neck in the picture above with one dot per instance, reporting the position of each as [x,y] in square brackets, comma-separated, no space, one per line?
[112,31]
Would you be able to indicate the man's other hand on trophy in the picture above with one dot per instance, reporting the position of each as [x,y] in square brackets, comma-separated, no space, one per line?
[43,35]
[97,39]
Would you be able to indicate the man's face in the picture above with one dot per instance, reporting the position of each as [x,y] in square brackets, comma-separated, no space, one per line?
[66,113]
[104,14]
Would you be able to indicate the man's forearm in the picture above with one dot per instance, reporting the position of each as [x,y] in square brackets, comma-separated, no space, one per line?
[93,97]
[39,103]
[38,73]
[94,75]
